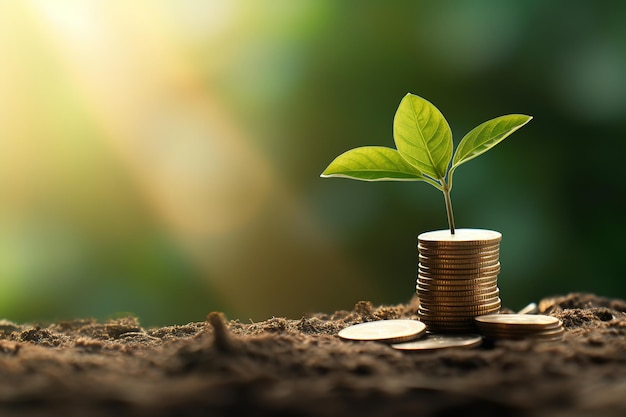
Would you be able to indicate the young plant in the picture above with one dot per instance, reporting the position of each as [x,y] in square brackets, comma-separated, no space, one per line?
[424,149]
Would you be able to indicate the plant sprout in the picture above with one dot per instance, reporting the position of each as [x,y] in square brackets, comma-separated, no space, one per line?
[424,149]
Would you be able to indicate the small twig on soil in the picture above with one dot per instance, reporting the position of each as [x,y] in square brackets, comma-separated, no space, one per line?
[222,339]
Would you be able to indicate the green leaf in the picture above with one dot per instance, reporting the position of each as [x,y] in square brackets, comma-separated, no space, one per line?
[422,136]
[485,136]
[372,163]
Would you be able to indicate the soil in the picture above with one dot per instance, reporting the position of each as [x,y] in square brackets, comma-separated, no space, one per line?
[284,367]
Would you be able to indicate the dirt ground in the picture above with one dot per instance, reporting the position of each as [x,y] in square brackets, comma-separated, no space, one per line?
[283,367]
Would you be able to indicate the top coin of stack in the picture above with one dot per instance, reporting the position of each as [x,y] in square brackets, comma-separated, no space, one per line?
[457,278]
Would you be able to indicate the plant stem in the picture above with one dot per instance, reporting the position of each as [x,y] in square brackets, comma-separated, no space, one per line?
[446,195]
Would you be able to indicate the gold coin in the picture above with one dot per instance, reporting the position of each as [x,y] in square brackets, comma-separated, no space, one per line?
[435,325]
[549,334]
[470,270]
[458,279]
[461,251]
[461,237]
[470,253]
[455,274]
[461,309]
[429,301]
[457,258]
[449,318]
[528,321]
[450,330]
[454,267]
[451,312]
[559,331]
[452,284]
[435,293]
[458,309]
[390,331]
[477,260]
[554,338]
[552,334]
[450,269]
[458,263]
[473,292]
[439,341]
[443,327]
[470,295]
[428,282]
[479,305]
[435,303]
[453,293]
[447,321]
[428,316]
[516,329]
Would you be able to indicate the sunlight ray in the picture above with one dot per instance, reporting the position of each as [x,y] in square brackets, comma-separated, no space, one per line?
[201,172]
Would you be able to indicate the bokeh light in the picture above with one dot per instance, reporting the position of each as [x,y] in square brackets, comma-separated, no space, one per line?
[162,157]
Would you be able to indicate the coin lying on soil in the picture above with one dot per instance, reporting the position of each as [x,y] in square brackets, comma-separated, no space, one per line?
[520,326]
[440,341]
[389,331]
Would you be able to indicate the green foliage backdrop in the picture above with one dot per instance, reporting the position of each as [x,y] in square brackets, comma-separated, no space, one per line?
[162,157]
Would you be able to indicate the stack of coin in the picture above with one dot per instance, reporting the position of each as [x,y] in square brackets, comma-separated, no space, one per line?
[457,278]
[537,327]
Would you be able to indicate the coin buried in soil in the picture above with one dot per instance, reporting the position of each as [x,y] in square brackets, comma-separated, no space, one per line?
[439,341]
[390,331]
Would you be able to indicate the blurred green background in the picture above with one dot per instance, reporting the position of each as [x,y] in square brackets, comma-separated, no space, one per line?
[163,157]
